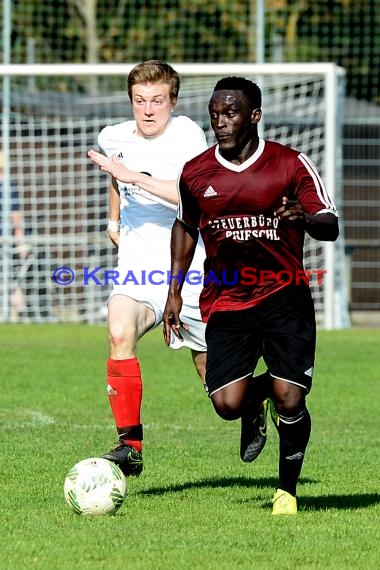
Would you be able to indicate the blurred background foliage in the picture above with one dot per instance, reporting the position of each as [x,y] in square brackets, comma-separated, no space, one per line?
[120,31]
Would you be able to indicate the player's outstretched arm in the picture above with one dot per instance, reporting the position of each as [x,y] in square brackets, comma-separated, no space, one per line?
[111,165]
[164,189]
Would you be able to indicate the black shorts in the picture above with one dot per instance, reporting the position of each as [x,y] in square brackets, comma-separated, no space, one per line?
[281,329]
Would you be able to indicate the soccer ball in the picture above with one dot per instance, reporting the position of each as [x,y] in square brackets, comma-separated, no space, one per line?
[95,486]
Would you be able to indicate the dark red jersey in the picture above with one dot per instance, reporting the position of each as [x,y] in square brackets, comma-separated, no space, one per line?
[250,254]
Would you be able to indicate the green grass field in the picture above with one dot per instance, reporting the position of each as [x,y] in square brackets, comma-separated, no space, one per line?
[196,505]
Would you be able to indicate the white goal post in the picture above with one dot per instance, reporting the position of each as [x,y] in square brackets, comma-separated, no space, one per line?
[51,116]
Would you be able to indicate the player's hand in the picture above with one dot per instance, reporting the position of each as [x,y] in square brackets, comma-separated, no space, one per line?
[111,165]
[171,320]
[100,159]
[290,210]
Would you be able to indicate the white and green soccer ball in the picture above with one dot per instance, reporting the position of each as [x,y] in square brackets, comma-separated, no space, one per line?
[95,486]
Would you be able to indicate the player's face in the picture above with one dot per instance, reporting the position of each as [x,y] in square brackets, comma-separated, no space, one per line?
[233,121]
[152,107]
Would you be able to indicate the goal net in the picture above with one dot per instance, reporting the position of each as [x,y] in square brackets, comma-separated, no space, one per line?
[51,116]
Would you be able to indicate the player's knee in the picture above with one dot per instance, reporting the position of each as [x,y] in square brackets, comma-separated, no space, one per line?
[226,407]
[116,334]
[289,399]
[119,339]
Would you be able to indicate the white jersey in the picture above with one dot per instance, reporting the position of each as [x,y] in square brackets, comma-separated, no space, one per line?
[145,219]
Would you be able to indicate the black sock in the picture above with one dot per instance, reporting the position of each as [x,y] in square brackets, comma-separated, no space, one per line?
[294,435]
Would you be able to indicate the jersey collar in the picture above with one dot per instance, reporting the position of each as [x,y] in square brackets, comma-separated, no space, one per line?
[246,164]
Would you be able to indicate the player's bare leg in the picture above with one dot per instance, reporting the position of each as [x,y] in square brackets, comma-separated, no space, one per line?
[128,320]
[242,399]
[199,360]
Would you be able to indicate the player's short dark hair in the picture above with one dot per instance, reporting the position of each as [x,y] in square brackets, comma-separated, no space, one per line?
[154,71]
[250,89]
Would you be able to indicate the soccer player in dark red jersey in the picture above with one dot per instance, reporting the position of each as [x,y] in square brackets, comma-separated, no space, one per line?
[252,201]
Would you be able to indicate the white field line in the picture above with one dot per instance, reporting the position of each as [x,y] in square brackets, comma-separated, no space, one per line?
[37,418]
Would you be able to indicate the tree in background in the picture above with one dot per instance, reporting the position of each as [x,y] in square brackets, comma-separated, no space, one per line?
[119,31]
[342,31]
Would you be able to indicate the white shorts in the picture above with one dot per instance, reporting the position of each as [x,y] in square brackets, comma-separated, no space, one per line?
[193,338]
[155,297]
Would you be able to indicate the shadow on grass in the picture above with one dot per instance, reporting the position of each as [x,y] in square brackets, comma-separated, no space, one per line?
[319,503]
[217,482]
[343,502]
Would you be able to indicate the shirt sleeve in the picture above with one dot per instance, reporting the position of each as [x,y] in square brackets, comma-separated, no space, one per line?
[310,189]
[195,142]
[187,210]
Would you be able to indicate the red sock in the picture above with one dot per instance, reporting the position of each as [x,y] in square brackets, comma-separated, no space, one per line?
[124,386]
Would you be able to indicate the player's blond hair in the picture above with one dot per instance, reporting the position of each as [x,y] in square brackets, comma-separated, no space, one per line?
[154,71]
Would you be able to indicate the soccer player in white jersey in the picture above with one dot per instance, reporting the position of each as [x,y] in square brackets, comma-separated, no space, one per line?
[144,157]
